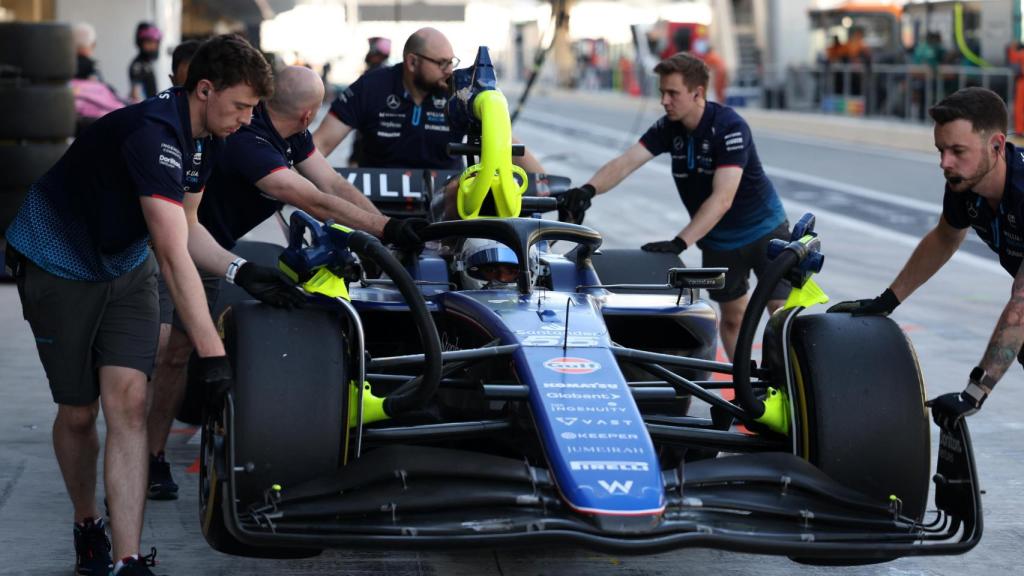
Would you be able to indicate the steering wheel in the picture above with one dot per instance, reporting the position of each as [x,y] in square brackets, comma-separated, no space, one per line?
[519,234]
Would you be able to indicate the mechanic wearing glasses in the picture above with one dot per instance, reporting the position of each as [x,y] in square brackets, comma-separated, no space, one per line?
[734,209]
[400,110]
[985,191]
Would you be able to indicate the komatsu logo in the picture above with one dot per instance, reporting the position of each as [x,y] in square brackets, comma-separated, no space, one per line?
[572,365]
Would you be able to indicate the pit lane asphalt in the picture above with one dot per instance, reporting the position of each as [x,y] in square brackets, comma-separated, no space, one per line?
[949,321]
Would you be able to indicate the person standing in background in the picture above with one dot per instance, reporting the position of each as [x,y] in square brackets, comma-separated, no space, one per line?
[140,72]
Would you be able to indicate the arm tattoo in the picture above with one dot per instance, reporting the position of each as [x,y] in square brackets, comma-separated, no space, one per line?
[1008,335]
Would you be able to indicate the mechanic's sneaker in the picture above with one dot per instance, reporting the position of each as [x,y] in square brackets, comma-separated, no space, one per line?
[161,485]
[92,549]
[132,566]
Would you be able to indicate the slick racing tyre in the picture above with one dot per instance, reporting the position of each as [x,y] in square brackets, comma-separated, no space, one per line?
[36,111]
[212,487]
[263,253]
[634,266]
[287,419]
[860,406]
[41,52]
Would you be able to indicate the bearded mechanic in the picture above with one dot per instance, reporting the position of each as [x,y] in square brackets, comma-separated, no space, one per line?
[985,191]
[400,110]
[267,164]
[79,246]
[734,209]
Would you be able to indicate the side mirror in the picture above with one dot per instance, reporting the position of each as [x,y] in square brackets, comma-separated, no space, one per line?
[698,278]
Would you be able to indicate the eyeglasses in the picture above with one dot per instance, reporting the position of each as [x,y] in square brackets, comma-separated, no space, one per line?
[442,64]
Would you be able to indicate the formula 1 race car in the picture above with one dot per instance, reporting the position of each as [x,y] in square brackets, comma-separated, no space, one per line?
[492,390]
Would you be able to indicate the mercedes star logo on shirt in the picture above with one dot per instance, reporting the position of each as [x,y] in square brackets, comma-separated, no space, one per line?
[392,102]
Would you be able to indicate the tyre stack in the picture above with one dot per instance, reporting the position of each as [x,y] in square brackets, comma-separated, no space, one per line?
[37,108]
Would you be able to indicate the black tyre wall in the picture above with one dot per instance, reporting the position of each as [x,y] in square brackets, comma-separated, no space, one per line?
[36,111]
[22,164]
[865,416]
[38,51]
[289,376]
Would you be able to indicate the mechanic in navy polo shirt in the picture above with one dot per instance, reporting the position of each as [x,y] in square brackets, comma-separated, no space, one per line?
[985,191]
[267,164]
[400,111]
[734,210]
[79,249]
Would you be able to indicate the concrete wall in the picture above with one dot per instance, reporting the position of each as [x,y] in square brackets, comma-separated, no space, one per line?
[115,22]
[788,36]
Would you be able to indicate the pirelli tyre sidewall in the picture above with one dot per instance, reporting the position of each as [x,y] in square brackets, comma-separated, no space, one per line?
[859,402]
[290,374]
[36,111]
[41,52]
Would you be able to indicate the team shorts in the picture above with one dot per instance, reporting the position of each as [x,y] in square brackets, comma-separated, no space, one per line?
[740,262]
[81,326]
[168,313]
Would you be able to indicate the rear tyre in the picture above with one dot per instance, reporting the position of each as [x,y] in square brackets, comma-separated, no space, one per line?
[290,373]
[632,266]
[860,404]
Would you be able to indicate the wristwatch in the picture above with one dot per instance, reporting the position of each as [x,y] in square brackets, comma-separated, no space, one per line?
[979,385]
[236,264]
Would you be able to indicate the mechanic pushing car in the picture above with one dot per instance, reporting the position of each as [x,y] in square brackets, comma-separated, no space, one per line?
[985,191]
[252,180]
[400,110]
[734,210]
[79,248]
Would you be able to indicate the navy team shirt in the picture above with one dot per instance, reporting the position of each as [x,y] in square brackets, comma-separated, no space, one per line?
[1002,227]
[721,139]
[396,132]
[232,204]
[83,220]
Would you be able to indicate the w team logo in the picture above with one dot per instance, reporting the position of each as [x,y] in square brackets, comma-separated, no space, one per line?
[572,365]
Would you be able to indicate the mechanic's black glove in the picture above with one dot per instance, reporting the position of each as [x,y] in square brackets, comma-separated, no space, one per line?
[574,203]
[674,246]
[216,377]
[949,409]
[269,285]
[404,232]
[883,305]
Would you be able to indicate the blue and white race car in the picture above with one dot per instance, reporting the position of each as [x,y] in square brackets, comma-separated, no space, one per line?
[496,389]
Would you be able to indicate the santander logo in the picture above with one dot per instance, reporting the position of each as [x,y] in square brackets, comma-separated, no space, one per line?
[572,365]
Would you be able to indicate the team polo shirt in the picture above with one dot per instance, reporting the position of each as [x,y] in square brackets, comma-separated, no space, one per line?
[83,220]
[1002,227]
[232,204]
[721,139]
[397,133]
